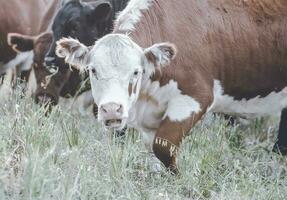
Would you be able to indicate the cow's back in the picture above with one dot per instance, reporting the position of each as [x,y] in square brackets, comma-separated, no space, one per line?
[243,45]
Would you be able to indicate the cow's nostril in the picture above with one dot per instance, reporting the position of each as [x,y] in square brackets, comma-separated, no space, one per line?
[120,109]
[103,110]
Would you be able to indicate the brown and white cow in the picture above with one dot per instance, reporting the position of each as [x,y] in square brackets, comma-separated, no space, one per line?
[169,62]
[50,86]
[26,17]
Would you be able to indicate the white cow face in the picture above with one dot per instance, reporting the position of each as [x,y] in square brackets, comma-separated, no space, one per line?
[116,67]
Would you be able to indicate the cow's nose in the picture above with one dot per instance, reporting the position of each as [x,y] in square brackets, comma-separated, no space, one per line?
[111,110]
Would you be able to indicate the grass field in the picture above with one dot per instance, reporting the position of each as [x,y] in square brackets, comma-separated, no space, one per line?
[68,156]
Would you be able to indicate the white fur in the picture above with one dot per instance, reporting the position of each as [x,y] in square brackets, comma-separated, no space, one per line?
[31,84]
[115,58]
[181,107]
[132,14]
[80,104]
[73,57]
[159,50]
[167,101]
[258,106]
[24,59]
[148,138]
[84,101]
[6,88]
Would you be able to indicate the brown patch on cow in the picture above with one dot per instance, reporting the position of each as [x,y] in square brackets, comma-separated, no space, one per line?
[130,89]
[169,49]
[173,149]
[135,87]
[24,18]
[268,9]
[151,58]
[41,47]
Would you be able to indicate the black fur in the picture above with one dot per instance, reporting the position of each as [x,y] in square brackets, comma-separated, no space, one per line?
[83,21]
[281,143]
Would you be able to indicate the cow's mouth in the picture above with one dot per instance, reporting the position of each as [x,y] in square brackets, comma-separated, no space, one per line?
[116,124]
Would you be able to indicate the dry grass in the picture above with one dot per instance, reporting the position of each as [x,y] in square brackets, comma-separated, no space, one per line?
[67,156]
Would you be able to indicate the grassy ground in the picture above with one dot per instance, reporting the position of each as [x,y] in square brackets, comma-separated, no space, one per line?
[67,156]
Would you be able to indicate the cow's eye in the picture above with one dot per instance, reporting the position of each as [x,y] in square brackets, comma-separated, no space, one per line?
[136,73]
[94,72]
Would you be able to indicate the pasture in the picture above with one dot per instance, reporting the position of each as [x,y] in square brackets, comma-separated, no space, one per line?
[68,156]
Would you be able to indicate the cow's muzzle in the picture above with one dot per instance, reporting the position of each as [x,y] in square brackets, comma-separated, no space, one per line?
[112,115]
[46,100]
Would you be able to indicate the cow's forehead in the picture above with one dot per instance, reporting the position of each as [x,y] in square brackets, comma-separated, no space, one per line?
[69,12]
[116,53]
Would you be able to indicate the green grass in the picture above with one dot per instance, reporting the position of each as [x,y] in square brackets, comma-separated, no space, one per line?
[67,156]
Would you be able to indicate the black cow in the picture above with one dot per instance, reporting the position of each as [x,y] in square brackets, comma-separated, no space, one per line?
[86,21]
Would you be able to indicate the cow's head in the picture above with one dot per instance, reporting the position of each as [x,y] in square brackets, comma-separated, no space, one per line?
[85,21]
[48,87]
[117,67]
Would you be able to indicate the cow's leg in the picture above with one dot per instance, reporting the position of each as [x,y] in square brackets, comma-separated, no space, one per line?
[148,139]
[168,138]
[281,143]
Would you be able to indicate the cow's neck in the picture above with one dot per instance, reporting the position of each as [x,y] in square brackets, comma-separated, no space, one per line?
[136,21]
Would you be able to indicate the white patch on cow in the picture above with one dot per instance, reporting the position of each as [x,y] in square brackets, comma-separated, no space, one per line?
[31,84]
[6,88]
[148,138]
[24,60]
[132,14]
[155,103]
[181,107]
[80,104]
[115,58]
[258,106]
[83,102]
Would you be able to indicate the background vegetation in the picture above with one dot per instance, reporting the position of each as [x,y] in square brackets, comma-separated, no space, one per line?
[68,156]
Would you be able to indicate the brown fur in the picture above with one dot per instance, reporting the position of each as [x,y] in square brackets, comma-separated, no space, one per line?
[54,86]
[28,17]
[241,43]
[39,16]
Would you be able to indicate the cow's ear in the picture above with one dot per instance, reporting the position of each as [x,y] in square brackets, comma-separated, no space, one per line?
[101,11]
[74,52]
[160,54]
[20,43]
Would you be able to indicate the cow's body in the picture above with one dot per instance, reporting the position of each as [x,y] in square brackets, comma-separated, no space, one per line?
[27,17]
[231,58]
